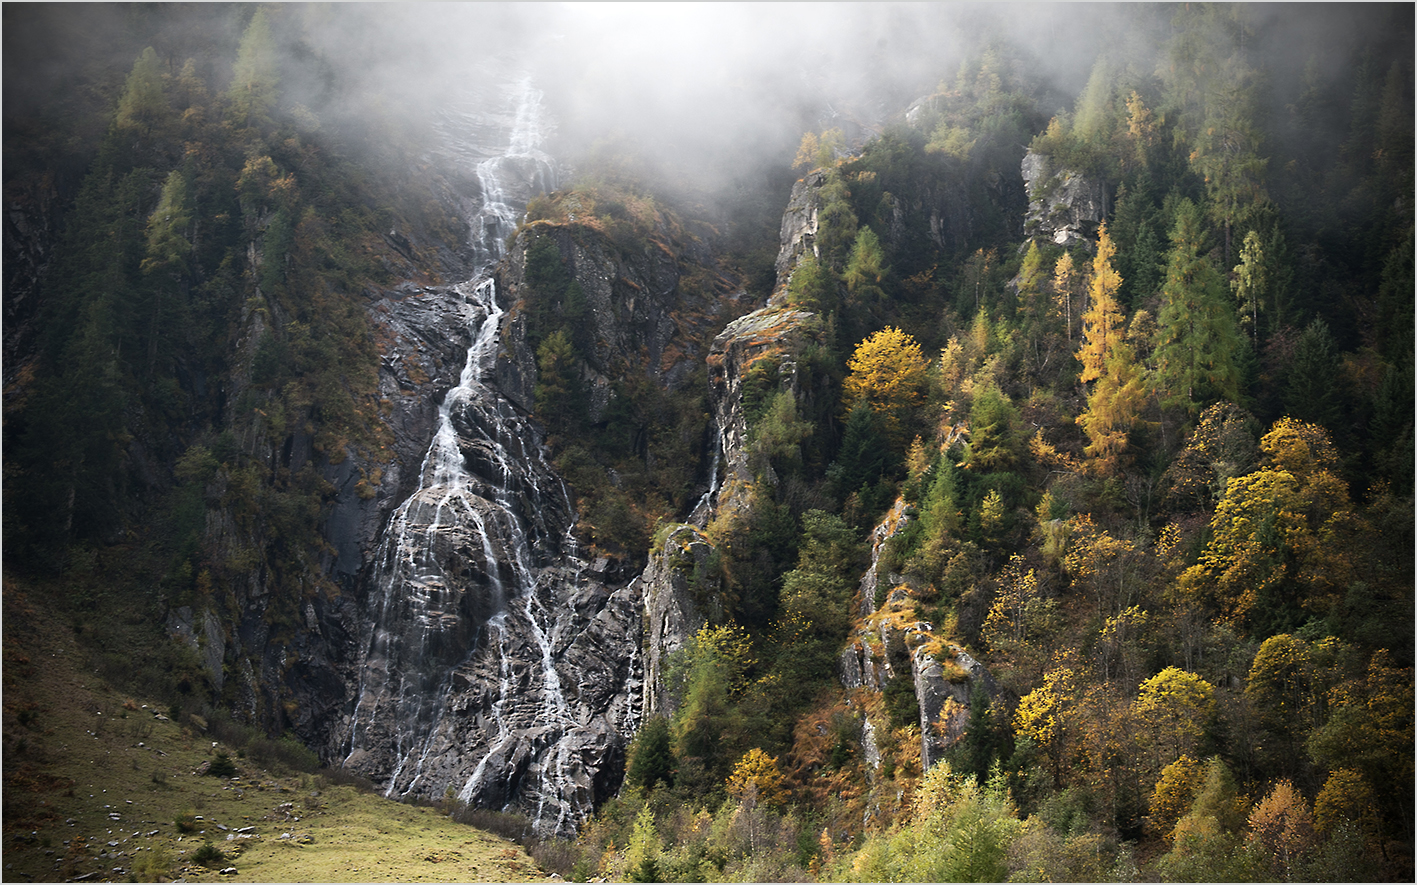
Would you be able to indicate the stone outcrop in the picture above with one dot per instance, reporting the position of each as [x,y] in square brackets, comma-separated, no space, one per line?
[889,642]
[644,321]
[678,592]
[424,336]
[798,232]
[776,334]
[1064,206]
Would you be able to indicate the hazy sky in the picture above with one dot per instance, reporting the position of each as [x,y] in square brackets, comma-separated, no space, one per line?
[710,79]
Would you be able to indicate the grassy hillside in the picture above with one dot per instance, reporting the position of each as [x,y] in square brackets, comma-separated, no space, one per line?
[104,786]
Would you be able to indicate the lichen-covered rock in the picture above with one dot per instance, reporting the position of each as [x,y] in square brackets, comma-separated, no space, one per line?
[643,320]
[798,233]
[1064,206]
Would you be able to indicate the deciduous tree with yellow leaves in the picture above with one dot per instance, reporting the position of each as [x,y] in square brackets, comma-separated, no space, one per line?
[888,373]
[1119,383]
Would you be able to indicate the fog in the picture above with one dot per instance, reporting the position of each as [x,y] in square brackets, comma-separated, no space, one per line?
[711,87]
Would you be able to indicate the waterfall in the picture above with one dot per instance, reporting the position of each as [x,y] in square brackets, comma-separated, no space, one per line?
[703,510]
[458,688]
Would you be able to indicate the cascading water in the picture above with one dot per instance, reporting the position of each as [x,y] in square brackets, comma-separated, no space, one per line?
[476,593]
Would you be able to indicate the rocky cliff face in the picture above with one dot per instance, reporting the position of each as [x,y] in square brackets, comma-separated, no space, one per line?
[890,642]
[774,334]
[644,320]
[1064,206]
[679,594]
[798,233]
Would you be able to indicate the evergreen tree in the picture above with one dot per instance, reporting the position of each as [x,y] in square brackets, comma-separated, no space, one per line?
[1038,319]
[560,396]
[866,270]
[255,77]
[1314,390]
[864,458]
[1197,345]
[836,223]
[143,105]
[651,755]
[812,287]
[993,431]
[166,264]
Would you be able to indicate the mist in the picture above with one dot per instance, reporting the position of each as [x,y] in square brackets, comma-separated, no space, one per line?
[701,93]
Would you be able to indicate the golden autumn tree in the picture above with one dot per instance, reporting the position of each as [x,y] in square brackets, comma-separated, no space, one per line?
[1172,707]
[1282,829]
[1019,622]
[1174,792]
[1370,730]
[888,373]
[1283,536]
[1346,798]
[1104,326]
[1119,383]
[756,775]
[1044,716]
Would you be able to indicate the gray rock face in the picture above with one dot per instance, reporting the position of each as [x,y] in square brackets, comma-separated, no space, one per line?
[799,230]
[425,336]
[1064,206]
[944,675]
[643,321]
[492,659]
[674,608]
[771,333]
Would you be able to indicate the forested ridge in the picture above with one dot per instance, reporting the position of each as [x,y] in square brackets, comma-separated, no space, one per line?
[1150,464]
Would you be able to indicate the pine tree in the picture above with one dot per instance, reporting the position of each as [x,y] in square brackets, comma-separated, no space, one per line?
[651,755]
[1197,345]
[812,287]
[559,394]
[1313,391]
[836,223]
[865,269]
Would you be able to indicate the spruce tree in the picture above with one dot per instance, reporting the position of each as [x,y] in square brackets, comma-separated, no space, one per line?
[1197,344]
[1313,392]
[143,105]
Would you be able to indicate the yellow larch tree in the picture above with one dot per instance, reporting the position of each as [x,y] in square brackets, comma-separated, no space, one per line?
[890,374]
[1119,388]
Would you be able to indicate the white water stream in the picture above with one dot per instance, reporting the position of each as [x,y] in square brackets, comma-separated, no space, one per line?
[423,631]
